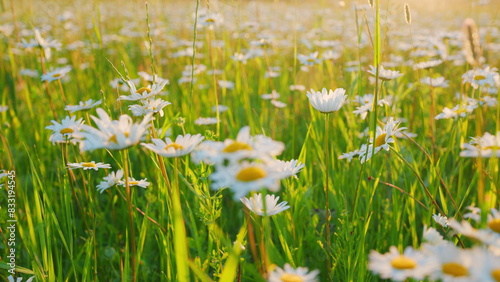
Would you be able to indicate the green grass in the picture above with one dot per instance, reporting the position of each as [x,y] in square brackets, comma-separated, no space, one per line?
[184,231]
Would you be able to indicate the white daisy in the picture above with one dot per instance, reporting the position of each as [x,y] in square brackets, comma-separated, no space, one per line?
[290,168]
[112,134]
[486,146]
[143,92]
[441,220]
[486,77]
[89,104]
[88,165]
[435,82]
[288,273]
[183,145]
[428,64]
[65,131]
[384,74]
[110,180]
[398,267]
[56,74]
[309,60]
[457,111]
[149,106]
[271,207]
[451,263]
[327,101]
[278,104]
[132,182]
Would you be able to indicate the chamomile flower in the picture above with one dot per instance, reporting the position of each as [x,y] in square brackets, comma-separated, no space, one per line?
[400,266]
[206,121]
[441,220]
[435,82]
[245,146]
[278,104]
[327,101]
[183,145]
[149,106]
[457,111]
[428,64]
[452,263]
[110,180]
[271,207]
[273,95]
[384,74]
[65,131]
[486,77]
[486,266]
[220,108]
[288,273]
[309,60]
[143,92]
[112,134]
[486,146]
[56,74]
[245,177]
[88,165]
[384,137]
[89,104]
[210,20]
[297,87]
[225,84]
[143,183]
[432,237]
[290,168]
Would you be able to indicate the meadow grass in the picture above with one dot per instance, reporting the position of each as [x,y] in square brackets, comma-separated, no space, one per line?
[179,229]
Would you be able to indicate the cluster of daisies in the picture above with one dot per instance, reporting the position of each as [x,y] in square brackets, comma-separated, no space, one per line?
[440,259]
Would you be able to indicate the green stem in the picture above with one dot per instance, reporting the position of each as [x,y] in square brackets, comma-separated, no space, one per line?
[130,215]
[327,192]
[180,239]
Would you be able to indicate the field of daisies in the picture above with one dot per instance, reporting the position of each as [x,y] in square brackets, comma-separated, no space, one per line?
[204,140]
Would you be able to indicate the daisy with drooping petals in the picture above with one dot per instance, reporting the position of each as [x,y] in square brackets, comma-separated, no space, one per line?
[183,145]
[89,104]
[271,207]
[291,168]
[327,101]
[486,146]
[65,131]
[56,74]
[88,165]
[143,92]
[143,183]
[112,134]
[288,273]
[384,74]
[110,180]
[398,267]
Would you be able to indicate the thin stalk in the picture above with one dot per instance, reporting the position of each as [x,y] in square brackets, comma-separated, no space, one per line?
[63,95]
[130,214]
[180,239]
[46,84]
[327,192]
[194,48]
[153,70]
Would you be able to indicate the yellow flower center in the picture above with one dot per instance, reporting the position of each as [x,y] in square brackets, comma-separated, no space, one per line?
[495,225]
[454,269]
[210,20]
[287,277]
[113,137]
[479,77]
[460,111]
[495,273]
[175,146]
[142,89]
[380,140]
[66,130]
[494,148]
[133,182]
[56,75]
[88,165]
[311,60]
[251,174]
[236,146]
[403,262]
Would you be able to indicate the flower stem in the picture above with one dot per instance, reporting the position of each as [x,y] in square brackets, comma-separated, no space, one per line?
[130,214]
[327,191]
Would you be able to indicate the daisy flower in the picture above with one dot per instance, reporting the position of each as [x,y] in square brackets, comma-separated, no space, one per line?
[210,20]
[278,104]
[88,165]
[245,146]
[118,83]
[149,106]
[226,84]
[206,121]
[457,111]
[132,182]
[221,108]
[110,180]
[65,131]
[398,267]
[150,78]
[486,77]
[432,237]
[273,95]
[327,101]
[486,146]
[384,137]
[435,82]
[441,220]
[240,58]
[384,74]
[309,60]
[56,74]
[290,168]
[89,104]
[245,177]
[112,134]
[428,64]
[183,145]
[143,92]
[288,273]
[19,279]
[486,265]
[271,207]
[297,87]
[452,263]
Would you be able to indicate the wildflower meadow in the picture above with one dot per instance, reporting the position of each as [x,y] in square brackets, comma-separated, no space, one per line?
[266,140]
